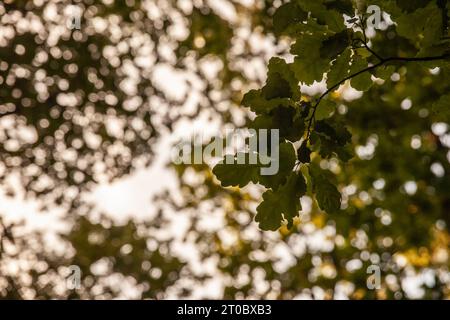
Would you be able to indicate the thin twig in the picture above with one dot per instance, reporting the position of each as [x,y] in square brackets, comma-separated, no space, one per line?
[382,62]
[372,52]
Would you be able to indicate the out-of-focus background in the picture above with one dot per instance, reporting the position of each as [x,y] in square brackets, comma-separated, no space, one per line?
[89,111]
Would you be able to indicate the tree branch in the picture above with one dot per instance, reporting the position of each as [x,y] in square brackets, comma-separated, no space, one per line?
[372,52]
[382,62]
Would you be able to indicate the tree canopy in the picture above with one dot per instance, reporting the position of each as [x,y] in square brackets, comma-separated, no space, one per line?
[363,109]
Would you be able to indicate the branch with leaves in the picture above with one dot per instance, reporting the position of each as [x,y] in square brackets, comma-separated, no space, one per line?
[373,67]
[323,43]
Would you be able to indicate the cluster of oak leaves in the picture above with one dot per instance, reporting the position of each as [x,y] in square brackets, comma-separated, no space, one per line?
[328,39]
[324,43]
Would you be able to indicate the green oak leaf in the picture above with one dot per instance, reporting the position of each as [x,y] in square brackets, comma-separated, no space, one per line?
[286,16]
[344,153]
[230,173]
[263,121]
[309,71]
[281,81]
[363,81]
[312,26]
[288,121]
[287,159]
[384,72]
[303,153]
[308,66]
[343,136]
[334,45]
[333,19]
[423,26]
[260,105]
[283,203]
[324,128]
[327,195]
[335,131]
[334,138]
[276,87]
[325,109]
[438,48]
[339,69]
[328,148]
[237,174]
[281,89]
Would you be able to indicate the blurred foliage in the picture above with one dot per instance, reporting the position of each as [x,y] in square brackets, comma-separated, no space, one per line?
[82,107]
